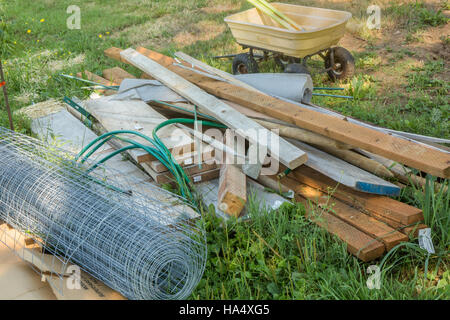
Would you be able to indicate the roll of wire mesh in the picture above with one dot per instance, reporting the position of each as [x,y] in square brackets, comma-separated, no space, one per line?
[140,246]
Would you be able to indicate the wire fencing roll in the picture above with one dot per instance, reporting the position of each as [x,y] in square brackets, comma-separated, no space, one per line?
[140,246]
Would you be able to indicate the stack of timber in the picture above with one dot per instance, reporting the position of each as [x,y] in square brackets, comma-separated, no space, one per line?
[341,169]
[371,225]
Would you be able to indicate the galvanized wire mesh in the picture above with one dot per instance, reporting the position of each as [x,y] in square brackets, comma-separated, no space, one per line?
[141,246]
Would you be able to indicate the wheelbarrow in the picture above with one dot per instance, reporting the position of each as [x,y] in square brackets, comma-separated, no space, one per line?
[322,30]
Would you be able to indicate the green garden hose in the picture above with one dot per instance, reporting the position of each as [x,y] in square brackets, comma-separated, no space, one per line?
[159,151]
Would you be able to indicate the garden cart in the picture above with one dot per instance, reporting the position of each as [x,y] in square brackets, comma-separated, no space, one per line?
[291,49]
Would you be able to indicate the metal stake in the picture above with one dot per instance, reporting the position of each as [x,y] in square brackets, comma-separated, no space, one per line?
[5,94]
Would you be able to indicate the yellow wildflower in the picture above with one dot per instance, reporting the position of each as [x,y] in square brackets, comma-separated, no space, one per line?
[28,31]
[100,36]
[42,20]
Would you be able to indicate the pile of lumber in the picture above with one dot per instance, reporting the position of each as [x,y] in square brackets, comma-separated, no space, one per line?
[344,171]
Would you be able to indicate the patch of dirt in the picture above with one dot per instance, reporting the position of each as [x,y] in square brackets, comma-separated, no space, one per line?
[154,33]
[352,43]
[202,31]
[431,43]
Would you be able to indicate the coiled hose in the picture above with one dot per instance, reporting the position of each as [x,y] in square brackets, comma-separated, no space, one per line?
[158,150]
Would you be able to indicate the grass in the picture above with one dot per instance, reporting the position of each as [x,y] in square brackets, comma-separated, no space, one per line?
[401,83]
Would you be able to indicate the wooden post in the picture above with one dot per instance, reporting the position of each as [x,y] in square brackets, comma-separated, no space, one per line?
[232,184]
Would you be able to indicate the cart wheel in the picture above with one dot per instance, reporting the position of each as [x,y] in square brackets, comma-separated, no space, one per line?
[244,63]
[283,61]
[344,64]
[296,68]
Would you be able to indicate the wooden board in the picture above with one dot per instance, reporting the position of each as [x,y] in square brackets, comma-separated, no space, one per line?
[185,160]
[136,115]
[196,177]
[372,204]
[117,75]
[166,177]
[411,230]
[407,152]
[358,243]
[61,125]
[222,74]
[369,225]
[360,161]
[346,173]
[291,156]
[114,53]
[232,194]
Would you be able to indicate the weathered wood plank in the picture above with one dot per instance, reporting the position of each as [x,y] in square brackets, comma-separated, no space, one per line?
[117,75]
[232,194]
[358,243]
[114,53]
[360,161]
[224,75]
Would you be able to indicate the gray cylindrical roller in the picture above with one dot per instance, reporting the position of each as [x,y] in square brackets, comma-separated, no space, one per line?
[292,86]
